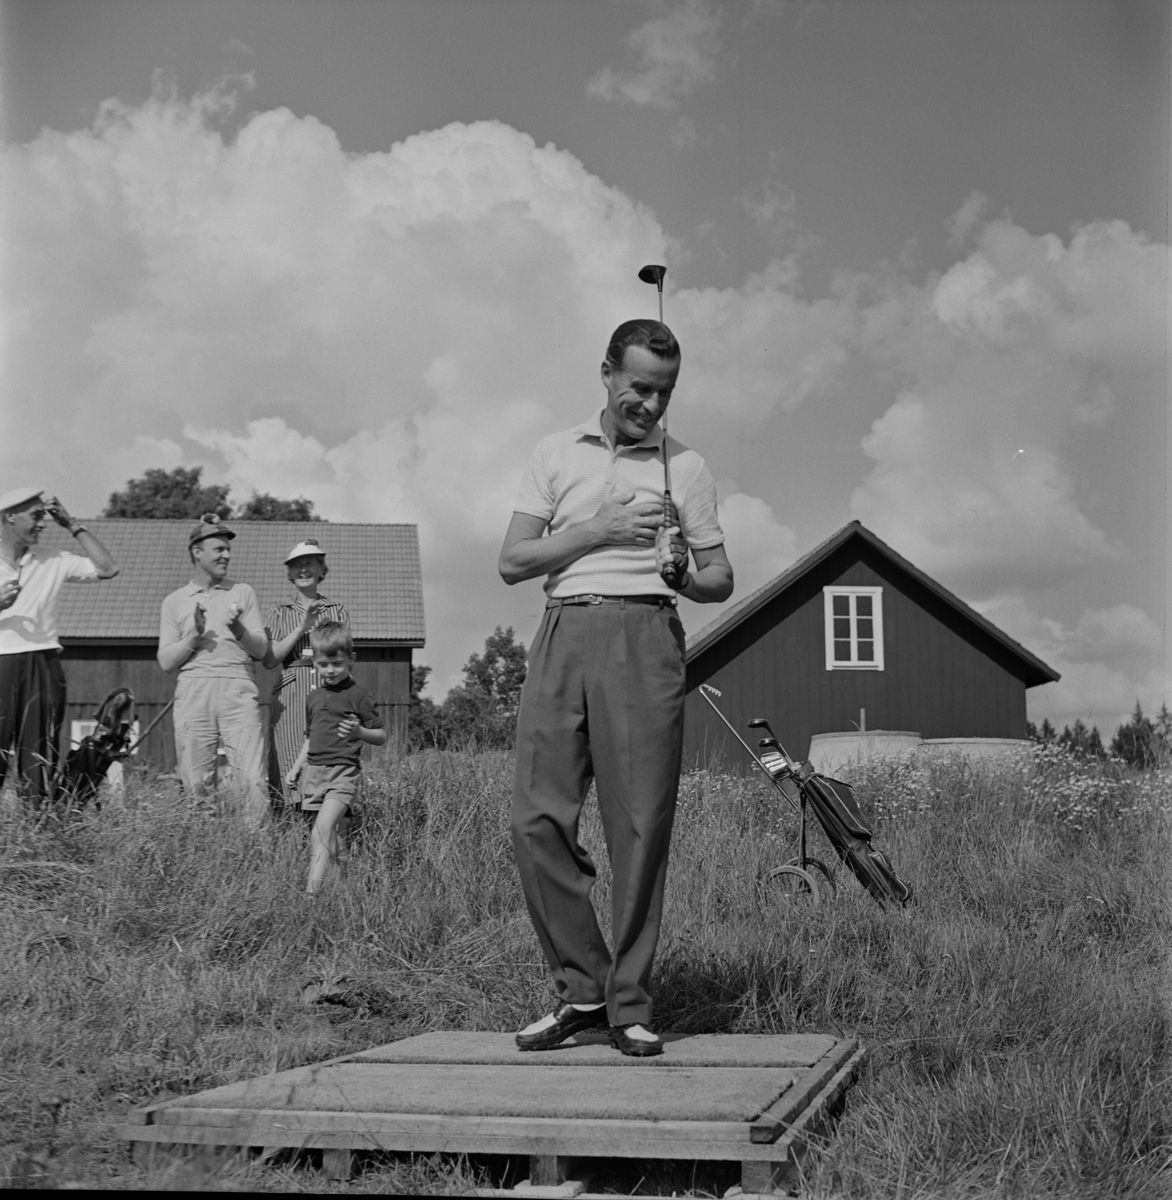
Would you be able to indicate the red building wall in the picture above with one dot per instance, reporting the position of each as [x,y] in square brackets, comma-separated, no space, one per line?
[944,676]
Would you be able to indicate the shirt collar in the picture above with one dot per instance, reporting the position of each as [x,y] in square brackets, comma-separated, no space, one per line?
[225,584]
[592,428]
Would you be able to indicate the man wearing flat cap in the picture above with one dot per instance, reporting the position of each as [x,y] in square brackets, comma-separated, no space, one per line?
[210,631]
[32,684]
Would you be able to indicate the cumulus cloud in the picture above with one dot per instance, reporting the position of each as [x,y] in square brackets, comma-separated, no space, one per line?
[1108,659]
[1004,355]
[671,55]
[389,334]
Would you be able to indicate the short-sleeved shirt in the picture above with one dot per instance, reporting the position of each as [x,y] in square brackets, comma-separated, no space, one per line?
[572,472]
[325,710]
[31,622]
[218,653]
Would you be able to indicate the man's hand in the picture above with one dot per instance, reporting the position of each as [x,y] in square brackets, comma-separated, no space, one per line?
[199,620]
[56,510]
[234,611]
[9,591]
[621,523]
[671,554]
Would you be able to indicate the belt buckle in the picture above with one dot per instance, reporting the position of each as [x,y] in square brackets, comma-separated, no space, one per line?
[592,599]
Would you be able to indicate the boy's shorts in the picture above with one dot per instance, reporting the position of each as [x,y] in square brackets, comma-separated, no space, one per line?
[339,781]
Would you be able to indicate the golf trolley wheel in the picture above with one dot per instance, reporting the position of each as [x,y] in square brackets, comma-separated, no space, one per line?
[791,881]
[827,880]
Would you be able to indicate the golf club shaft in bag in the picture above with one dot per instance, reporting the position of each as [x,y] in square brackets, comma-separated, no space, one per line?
[834,805]
[672,575]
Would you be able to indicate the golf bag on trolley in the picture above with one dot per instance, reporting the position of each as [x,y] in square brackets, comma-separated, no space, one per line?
[90,759]
[834,806]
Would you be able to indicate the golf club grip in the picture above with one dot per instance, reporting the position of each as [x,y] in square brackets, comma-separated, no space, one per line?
[671,574]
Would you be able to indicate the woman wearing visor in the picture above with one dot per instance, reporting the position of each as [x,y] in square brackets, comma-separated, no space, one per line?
[288,624]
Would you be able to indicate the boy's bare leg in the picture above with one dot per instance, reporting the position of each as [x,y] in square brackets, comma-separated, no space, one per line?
[323,841]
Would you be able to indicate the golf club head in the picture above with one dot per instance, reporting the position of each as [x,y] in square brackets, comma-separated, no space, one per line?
[760,723]
[770,743]
[652,273]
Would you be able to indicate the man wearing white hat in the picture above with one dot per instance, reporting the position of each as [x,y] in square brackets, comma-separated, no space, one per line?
[32,683]
[210,630]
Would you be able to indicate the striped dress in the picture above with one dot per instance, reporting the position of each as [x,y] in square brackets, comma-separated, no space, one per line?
[298,679]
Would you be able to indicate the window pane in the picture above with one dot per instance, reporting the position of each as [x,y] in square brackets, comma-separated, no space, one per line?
[865,628]
[842,651]
[842,627]
[863,605]
[866,652]
[840,606]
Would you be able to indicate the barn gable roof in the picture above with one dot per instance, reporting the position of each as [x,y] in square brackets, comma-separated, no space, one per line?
[1036,671]
[374,571]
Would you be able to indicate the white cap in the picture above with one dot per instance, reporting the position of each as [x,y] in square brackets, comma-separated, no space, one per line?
[19,496]
[304,550]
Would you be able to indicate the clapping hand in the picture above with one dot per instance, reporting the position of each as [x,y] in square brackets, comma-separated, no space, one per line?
[313,610]
[199,619]
[234,611]
[9,590]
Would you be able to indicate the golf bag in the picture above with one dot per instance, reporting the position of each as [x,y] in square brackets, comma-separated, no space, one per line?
[88,762]
[832,803]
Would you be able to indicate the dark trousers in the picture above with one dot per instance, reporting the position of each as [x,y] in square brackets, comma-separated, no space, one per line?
[32,708]
[603,699]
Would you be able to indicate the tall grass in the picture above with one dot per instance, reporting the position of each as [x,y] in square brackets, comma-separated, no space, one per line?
[1016,1014]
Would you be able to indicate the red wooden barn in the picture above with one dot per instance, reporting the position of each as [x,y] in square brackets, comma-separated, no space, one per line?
[110,630]
[854,628]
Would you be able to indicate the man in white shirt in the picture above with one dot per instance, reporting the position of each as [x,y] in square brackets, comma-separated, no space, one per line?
[32,683]
[210,631]
[604,695]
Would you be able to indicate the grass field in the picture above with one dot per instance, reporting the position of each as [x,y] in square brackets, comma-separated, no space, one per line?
[1016,1014]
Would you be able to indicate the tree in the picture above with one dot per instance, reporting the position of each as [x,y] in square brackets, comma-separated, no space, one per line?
[1082,741]
[423,714]
[263,507]
[179,495]
[1135,742]
[482,711]
[175,494]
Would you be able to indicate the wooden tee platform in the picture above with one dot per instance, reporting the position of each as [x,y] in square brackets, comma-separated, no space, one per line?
[748,1098]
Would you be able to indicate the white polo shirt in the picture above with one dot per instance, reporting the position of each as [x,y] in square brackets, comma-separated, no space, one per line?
[31,623]
[572,472]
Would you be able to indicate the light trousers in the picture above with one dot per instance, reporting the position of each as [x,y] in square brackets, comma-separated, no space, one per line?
[603,700]
[211,711]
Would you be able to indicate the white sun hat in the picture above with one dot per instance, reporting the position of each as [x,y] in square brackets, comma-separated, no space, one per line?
[19,496]
[305,549]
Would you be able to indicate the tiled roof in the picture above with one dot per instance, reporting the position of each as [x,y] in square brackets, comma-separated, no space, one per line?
[374,572]
[1038,671]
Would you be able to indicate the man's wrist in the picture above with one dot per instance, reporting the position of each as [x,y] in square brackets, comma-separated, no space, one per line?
[77,527]
[684,581]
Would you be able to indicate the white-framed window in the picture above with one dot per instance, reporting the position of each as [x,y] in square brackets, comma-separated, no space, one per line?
[854,628]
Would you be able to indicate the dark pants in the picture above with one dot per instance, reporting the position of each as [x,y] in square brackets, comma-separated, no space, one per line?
[32,708]
[603,699]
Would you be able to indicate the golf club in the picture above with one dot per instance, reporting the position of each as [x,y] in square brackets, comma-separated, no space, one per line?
[654,273]
[708,691]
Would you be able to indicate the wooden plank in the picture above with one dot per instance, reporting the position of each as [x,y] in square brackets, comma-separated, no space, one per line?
[769,1126]
[785,1169]
[490,1135]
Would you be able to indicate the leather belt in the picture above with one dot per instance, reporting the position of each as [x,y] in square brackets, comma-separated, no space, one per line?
[657,601]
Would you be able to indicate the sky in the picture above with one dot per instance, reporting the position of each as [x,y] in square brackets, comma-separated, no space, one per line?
[369,252]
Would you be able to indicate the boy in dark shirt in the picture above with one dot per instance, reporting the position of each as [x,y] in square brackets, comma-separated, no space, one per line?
[339,716]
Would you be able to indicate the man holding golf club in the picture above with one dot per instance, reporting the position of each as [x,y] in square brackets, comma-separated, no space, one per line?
[604,695]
